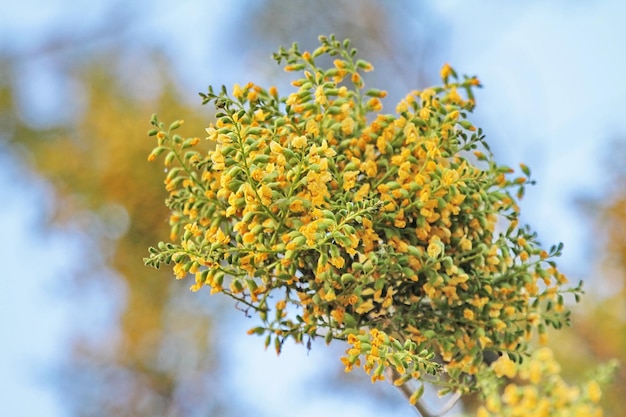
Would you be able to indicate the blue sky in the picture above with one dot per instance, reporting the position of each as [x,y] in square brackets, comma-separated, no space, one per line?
[553,77]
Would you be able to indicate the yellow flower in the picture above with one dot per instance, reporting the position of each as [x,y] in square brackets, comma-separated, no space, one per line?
[534,372]
[364,307]
[347,125]
[265,193]
[449,177]
[593,391]
[402,107]
[504,367]
[446,72]
[296,206]
[252,95]
[325,150]
[320,97]
[299,142]
[338,315]
[257,174]
[465,244]
[249,237]
[482,412]
[338,261]
[435,247]
[362,192]
[340,64]
[399,221]
[218,160]
[410,133]
[312,127]
[179,271]
[330,295]
[310,232]
[353,299]
[370,168]
[375,104]
[454,96]
[237,91]
[220,237]
[293,99]
[259,115]
[349,179]
[424,113]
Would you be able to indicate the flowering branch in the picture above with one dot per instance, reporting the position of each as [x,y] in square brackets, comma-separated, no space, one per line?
[397,233]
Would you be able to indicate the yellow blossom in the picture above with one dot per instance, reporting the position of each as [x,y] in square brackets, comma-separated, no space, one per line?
[340,64]
[218,160]
[465,244]
[362,192]
[249,237]
[320,97]
[504,367]
[312,128]
[338,314]
[449,177]
[293,99]
[259,115]
[296,206]
[365,307]
[593,391]
[446,71]
[347,125]
[179,271]
[237,91]
[435,247]
[330,295]
[299,142]
[482,412]
[265,193]
[338,261]
[375,104]
[349,179]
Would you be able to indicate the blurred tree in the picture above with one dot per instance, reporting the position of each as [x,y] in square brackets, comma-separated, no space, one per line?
[159,359]
[598,333]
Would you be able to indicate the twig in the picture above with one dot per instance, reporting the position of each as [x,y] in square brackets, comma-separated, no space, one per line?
[420,407]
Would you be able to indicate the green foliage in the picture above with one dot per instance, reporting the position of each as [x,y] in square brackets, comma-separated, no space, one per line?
[397,233]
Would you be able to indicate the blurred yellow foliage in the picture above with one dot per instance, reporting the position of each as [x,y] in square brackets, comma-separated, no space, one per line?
[159,356]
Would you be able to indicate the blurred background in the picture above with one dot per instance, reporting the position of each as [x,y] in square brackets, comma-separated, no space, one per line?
[87,330]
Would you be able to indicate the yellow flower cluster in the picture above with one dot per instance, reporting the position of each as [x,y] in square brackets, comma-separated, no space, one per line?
[376,228]
[381,352]
[539,391]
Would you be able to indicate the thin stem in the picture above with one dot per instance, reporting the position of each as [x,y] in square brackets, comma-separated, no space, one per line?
[419,406]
